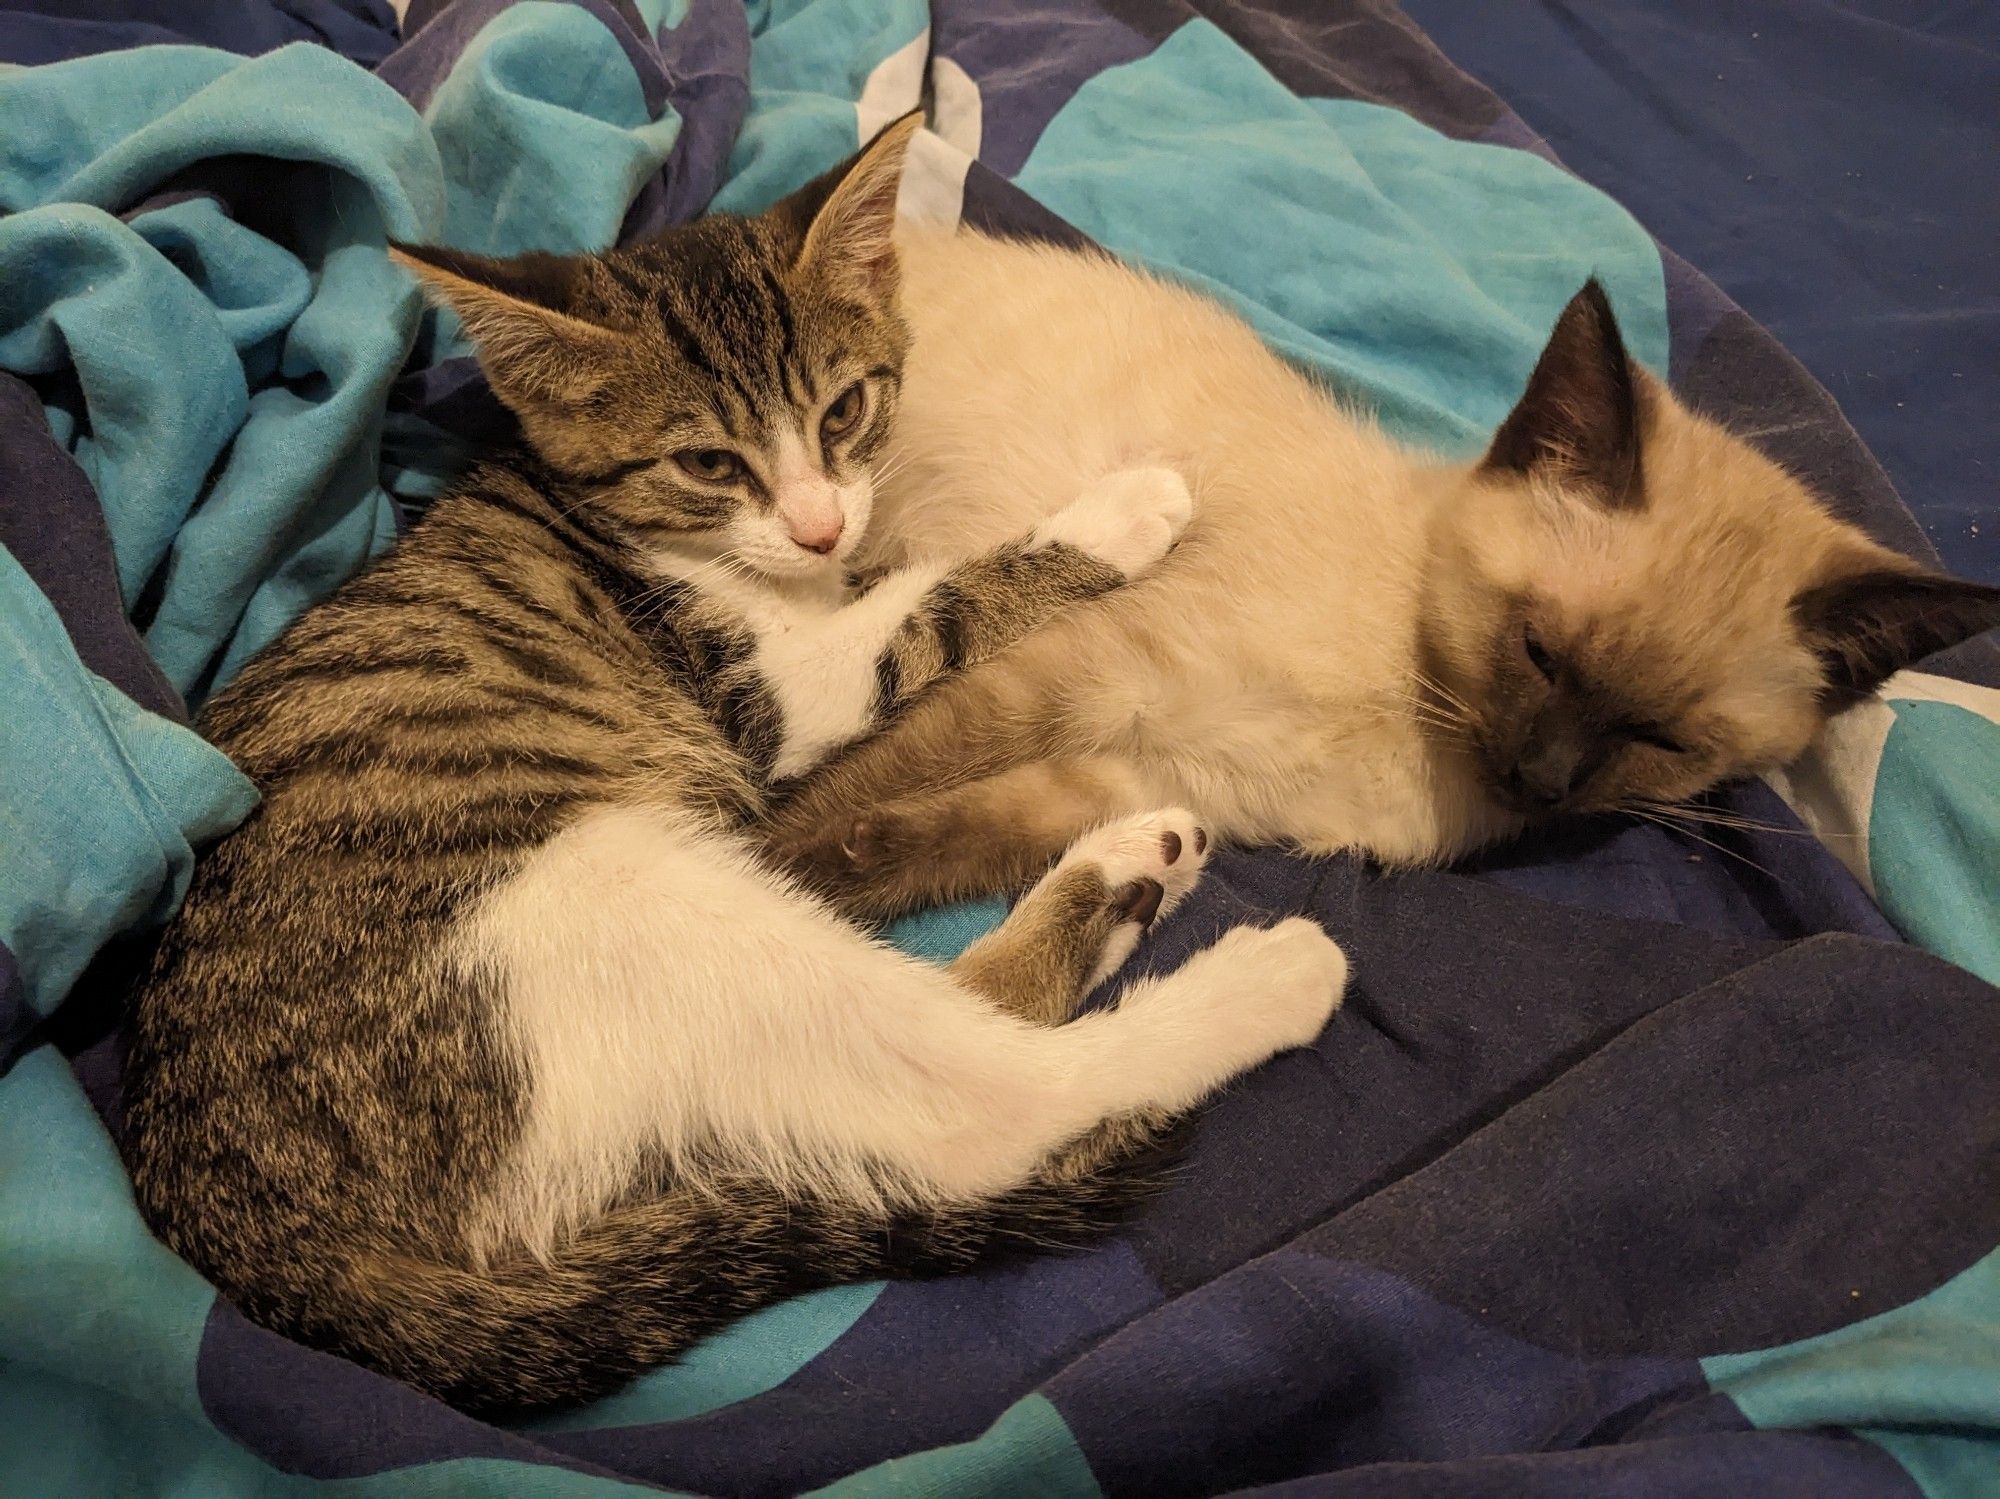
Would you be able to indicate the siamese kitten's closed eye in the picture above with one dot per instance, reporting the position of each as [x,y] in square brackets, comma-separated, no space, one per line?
[1620,605]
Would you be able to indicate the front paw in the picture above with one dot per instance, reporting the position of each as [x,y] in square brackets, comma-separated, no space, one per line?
[1128,520]
[833,856]
[816,854]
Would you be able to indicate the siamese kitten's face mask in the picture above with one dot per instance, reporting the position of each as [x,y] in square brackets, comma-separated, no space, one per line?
[1629,605]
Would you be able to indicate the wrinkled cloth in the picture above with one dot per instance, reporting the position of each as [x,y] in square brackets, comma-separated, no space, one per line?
[1636,1163]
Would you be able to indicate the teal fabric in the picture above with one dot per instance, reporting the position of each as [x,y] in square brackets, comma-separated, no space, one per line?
[1029,1450]
[1417,272]
[1920,1381]
[96,839]
[1934,832]
[99,1324]
[809,63]
[543,145]
[942,934]
[228,418]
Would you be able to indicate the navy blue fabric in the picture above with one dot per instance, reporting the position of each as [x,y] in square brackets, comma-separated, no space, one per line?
[1597,1105]
[1750,871]
[1835,167]
[51,521]
[39,31]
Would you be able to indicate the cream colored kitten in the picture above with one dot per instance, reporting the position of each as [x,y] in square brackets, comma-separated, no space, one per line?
[1356,647]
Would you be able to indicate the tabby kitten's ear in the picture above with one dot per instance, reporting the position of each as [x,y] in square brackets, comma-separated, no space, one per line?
[1875,613]
[849,241]
[532,350]
[1578,421]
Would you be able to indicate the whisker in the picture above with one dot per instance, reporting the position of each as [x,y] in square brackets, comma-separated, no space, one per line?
[1721,817]
[1723,849]
[887,471]
[1406,708]
[1448,706]
[1432,685]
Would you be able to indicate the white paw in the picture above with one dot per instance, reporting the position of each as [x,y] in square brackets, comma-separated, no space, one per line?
[1129,519]
[1168,847]
[1164,850]
[1288,978]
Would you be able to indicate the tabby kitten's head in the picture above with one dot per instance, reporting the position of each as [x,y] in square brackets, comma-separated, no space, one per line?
[1627,605]
[719,391]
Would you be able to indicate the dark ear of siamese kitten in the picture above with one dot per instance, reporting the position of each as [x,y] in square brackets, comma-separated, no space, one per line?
[1619,605]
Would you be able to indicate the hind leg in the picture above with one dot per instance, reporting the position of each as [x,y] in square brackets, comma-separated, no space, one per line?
[1012,1102]
[1083,919]
[669,1006]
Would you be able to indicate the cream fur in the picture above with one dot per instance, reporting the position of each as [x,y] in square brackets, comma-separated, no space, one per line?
[1309,527]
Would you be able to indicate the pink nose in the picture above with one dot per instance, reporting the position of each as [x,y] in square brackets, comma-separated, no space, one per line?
[818,536]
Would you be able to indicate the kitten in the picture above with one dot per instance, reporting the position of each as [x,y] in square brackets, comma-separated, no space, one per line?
[485,1052]
[1356,647]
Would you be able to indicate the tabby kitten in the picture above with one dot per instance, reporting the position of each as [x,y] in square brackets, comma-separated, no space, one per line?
[1356,647]
[485,1052]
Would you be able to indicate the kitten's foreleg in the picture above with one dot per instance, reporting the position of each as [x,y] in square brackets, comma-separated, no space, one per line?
[966,840]
[838,678]
[670,1004]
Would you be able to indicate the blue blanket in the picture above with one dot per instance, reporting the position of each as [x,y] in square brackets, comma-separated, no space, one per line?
[1636,1164]
[1833,164]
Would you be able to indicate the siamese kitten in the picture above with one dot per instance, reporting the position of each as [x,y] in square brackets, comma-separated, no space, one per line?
[1355,647]
[485,1052]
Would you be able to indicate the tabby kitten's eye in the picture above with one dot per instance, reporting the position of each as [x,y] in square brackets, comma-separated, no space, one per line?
[711,465]
[845,412]
[1538,654]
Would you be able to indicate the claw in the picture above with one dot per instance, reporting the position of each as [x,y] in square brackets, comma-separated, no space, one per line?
[1138,901]
[862,844]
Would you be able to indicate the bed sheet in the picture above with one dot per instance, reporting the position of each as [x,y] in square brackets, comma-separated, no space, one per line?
[1833,165]
[1631,1166]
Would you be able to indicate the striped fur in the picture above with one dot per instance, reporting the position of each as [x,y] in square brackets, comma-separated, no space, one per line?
[486,1052]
